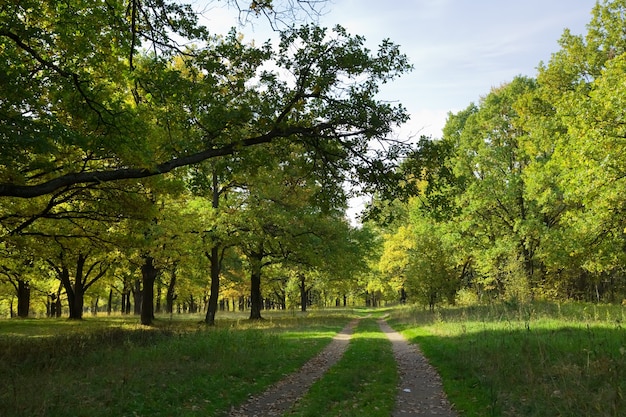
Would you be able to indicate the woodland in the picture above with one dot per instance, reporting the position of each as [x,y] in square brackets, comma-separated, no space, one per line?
[151,166]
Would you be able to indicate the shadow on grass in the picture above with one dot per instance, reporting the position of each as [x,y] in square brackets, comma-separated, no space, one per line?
[527,368]
[169,369]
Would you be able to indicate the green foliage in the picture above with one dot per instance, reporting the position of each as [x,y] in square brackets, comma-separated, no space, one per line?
[527,186]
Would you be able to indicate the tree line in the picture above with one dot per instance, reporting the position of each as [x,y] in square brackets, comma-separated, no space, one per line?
[148,160]
[143,153]
[523,197]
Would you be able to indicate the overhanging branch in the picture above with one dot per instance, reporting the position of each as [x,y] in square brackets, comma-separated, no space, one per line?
[99,176]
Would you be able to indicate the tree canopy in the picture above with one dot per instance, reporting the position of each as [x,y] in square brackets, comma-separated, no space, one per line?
[529,181]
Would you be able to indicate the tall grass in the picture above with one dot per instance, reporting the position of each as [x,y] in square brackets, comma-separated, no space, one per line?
[178,368]
[526,360]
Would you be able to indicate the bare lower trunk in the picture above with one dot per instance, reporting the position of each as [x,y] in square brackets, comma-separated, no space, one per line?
[170,296]
[148,273]
[137,294]
[23,298]
[256,301]
[215,286]
[303,295]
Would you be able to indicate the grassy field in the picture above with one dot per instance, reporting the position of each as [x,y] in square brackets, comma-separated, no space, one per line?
[531,360]
[499,360]
[105,367]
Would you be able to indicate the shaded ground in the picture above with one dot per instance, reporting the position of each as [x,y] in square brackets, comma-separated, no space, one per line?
[419,394]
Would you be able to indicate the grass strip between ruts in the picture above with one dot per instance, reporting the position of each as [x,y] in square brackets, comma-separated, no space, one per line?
[362,383]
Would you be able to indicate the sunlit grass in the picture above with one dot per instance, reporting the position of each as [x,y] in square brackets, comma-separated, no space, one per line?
[529,360]
[362,383]
[104,367]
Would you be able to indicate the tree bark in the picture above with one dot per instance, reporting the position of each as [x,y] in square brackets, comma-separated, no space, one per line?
[23,298]
[256,301]
[110,302]
[170,296]
[137,294]
[149,273]
[78,293]
[215,286]
[214,258]
[64,277]
[157,306]
[303,296]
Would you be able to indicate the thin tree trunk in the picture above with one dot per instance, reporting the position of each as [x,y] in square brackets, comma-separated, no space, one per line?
[137,295]
[303,296]
[170,296]
[215,260]
[110,302]
[157,307]
[215,286]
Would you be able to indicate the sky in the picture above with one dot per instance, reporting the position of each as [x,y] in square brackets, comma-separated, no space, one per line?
[460,49]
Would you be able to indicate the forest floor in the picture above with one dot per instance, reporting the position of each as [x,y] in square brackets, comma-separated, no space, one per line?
[419,392]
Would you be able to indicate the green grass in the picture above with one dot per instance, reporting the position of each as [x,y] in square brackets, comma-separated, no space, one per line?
[362,383]
[104,367]
[539,359]
[531,360]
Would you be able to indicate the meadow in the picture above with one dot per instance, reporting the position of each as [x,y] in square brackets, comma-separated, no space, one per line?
[104,366]
[540,359]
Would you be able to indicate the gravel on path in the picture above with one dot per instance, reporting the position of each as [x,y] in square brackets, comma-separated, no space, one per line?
[420,392]
[280,397]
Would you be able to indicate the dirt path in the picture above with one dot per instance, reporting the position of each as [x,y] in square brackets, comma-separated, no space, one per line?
[279,398]
[420,392]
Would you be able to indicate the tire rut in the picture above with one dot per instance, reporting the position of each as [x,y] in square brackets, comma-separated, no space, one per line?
[420,392]
[280,397]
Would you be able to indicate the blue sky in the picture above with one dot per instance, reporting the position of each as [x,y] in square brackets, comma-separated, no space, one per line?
[460,48]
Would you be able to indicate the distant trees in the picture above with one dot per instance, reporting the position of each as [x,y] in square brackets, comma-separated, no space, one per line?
[524,193]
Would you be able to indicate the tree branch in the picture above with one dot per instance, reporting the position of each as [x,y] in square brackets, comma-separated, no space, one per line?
[36,190]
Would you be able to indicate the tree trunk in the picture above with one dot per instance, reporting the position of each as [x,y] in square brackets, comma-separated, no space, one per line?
[58,311]
[256,301]
[157,307]
[215,260]
[77,293]
[170,296]
[64,276]
[215,286]
[126,296]
[149,273]
[23,298]
[137,294]
[110,302]
[303,296]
